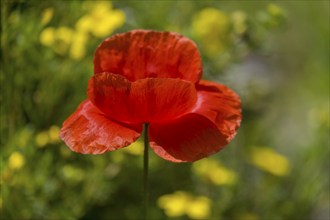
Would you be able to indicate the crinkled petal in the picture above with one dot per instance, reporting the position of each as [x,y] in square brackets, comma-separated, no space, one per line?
[186,139]
[143,101]
[220,105]
[142,54]
[210,125]
[89,131]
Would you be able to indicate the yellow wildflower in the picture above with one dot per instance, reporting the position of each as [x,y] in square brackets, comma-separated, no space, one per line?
[174,204]
[212,171]
[102,20]
[212,27]
[42,139]
[222,176]
[47,15]
[100,8]
[78,46]
[53,133]
[109,22]
[16,161]
[85,23]
[268,160]
[59,39]
[47,36]
[199,208]
[64,37]
[91,6]
[64,34]
[180,203]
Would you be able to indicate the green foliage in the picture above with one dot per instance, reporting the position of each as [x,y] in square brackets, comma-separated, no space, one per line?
[275,56]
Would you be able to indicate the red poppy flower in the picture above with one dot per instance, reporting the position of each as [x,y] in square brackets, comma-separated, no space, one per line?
[152,77]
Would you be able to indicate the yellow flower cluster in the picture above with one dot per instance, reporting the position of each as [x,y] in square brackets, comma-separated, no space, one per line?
[46,137]
[59,39]
[212,171]
[100,21]
[212,27]
[16,161]
[182,203]
[270,161]
[218,31]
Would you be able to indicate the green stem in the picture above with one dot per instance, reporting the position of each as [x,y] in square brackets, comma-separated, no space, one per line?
[145,171]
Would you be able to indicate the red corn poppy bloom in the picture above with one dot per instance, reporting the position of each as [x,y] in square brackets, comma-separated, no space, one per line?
[152,77]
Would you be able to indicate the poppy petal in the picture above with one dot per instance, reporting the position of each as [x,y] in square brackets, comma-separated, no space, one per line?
[187,139]
[142,54]
[219,104]
[89,131]
[205,130]
[143,101]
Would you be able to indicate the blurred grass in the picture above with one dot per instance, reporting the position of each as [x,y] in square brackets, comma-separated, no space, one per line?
[274,54]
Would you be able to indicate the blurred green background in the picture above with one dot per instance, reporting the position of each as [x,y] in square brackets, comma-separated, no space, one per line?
[274,54]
